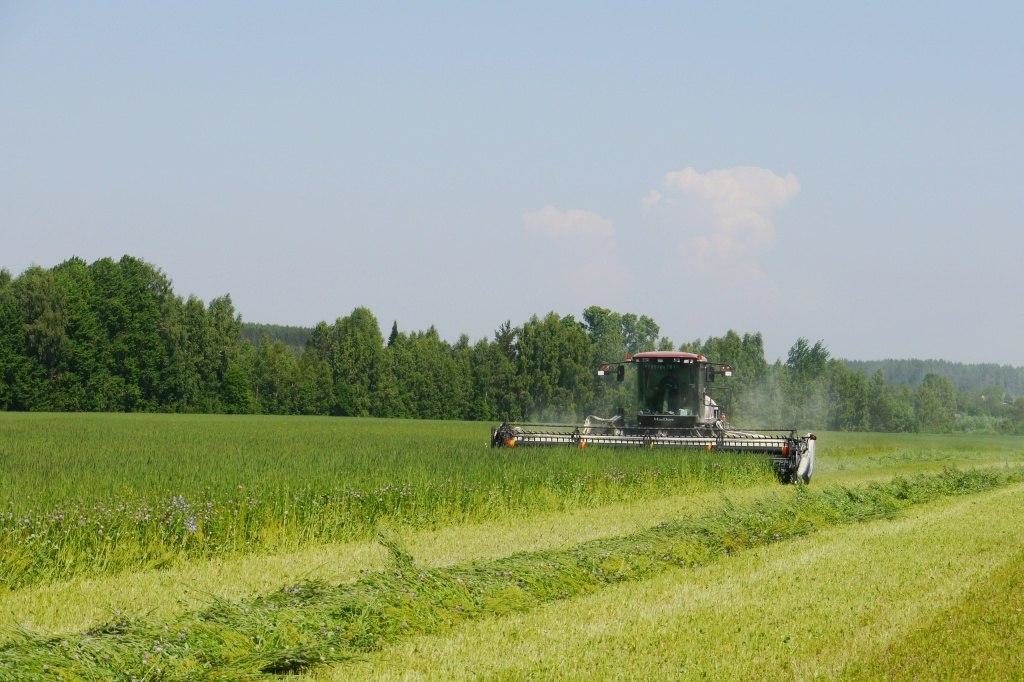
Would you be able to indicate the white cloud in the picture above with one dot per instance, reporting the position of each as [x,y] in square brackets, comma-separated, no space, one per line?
[740,200]
[567,222]
[584,266]
[652,199]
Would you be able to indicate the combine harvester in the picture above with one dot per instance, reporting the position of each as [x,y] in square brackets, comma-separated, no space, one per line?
[675,411]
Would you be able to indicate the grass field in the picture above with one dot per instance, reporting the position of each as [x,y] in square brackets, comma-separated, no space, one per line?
[102,494]
[176,547]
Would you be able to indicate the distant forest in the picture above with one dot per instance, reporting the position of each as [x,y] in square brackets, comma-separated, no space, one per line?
[113,336]
[965,377]
[295,338]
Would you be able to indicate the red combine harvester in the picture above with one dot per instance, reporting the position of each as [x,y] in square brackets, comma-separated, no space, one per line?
[676,410]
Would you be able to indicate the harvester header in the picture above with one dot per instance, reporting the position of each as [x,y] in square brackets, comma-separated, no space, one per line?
[675,410]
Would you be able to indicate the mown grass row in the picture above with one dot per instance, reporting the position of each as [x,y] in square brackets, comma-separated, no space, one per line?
[102,494]
[311,623]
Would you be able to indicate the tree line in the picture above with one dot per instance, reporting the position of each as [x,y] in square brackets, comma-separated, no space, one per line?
[977,378]
[113,336]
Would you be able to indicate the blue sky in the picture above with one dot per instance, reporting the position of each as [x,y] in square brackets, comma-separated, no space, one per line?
[852,174]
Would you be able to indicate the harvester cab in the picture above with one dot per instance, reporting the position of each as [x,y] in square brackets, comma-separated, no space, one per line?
[674,409]
[673,388]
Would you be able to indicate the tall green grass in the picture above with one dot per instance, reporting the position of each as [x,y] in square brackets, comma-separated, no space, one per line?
[908,451]
[309,623]
[86,494]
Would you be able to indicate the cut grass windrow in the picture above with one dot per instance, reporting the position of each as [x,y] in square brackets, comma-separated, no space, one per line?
[311,623]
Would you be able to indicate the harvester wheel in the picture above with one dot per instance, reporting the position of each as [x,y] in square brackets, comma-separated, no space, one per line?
[791,474]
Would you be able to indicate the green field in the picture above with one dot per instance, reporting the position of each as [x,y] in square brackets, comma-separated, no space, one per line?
[170,546]
[101,494]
